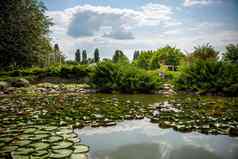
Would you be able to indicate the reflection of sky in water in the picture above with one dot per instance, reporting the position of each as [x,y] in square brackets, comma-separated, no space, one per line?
[142,140]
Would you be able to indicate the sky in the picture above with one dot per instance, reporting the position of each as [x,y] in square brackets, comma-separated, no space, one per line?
[131,25]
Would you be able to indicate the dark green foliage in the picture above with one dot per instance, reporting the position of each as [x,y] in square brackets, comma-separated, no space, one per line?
[120,57]
[24,34]
[96,55]
[109,76]
[136,55]
[155,62]
[205,52]
[84,56]
[170,55]
[231,54]
[152,59]
[209,76]
[78,56]
[143,60]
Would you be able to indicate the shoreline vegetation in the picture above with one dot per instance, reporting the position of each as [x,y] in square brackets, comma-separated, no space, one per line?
[201,72]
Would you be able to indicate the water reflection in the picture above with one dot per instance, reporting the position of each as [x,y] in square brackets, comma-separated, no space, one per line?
[140,139]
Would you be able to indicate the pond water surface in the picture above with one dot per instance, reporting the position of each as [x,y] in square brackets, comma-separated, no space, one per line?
[145,126]
[140,139]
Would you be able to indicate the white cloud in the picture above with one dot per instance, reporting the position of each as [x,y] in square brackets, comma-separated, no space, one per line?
[188,3]
[150,27]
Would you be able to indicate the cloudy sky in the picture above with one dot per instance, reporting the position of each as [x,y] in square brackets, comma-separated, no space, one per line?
[141,24]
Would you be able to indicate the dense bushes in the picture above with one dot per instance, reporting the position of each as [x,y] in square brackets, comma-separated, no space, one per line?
[64,71]
[124,78]
[209,76]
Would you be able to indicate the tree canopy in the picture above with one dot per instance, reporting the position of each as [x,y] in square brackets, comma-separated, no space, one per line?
[119,57]
[24,32]
[231,54]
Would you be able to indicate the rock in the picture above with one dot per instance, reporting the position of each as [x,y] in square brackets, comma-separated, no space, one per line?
[4,85]
[20,83]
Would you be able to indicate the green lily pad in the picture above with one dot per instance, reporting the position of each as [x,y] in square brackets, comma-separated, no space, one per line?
[8,149]
[6,140]
[23,151]
[40,146]
[22,143]
[54,139]
[81,148]
[40,153]
[62,145]
[79,156]
[39,137]
[20,157]
[29,130]
[63,153]
[40,157]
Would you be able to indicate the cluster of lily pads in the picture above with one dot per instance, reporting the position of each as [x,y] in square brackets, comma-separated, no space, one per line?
[39,142]
[197,114]
[41,126]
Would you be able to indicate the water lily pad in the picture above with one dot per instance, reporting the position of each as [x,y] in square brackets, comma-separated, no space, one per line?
[29,130]
[40,157]
[81,148]
[40,153]
[20,157]
[63,153]
[40,146]
[54,139]
[62,145]
[6,140]
[22,143]
[79,156]
[39,137]
[8,149]
[23,151]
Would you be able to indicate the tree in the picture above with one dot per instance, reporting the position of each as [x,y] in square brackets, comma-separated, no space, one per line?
[56,56]
[169,55]
[136,55]
[96,55]
[155,61]
[231,54]
[144,60]
[24,32]
[205,52]
[84,56]
[78,56]
[119,57]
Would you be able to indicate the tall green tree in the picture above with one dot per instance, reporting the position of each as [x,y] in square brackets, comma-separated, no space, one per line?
[78,56]
[231,54]
[119,57]
[24,29]
[136,55]
[169,55]
[144,60]
[96,55]
[84,57]
[58,56]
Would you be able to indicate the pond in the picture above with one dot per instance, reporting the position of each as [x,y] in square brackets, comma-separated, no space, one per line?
[63,125]
[140,139]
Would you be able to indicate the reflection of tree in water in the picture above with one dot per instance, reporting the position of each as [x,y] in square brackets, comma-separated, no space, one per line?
[155,151]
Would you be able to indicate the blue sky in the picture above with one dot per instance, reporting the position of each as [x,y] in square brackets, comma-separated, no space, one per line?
[141,24]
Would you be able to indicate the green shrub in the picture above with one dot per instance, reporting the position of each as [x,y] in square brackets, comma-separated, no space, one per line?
[209,76]
[124,78]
